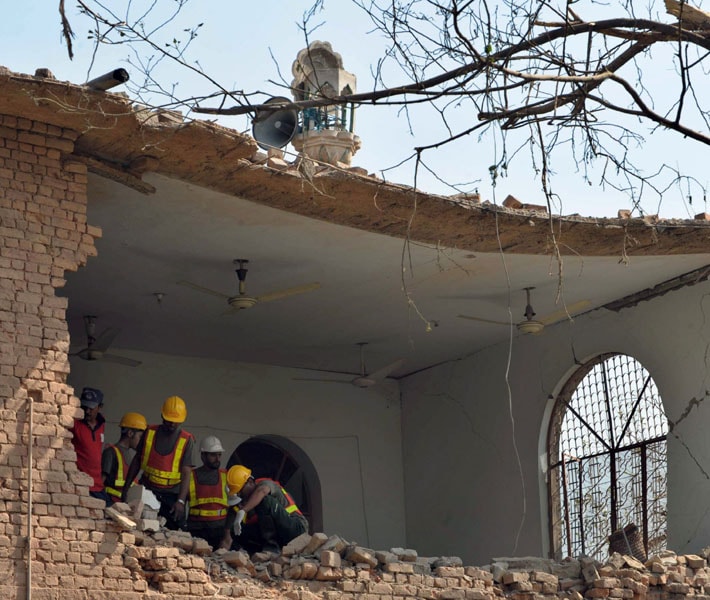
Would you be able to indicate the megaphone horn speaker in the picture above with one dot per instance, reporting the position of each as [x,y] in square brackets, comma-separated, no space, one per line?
[274,128]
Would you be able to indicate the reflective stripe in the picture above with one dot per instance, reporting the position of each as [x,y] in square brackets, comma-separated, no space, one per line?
[120,481]
[203,512]
[215,507]
[291,507]
[159,477]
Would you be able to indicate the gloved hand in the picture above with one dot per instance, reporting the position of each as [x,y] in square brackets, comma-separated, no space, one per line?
[237,528]
[233,500]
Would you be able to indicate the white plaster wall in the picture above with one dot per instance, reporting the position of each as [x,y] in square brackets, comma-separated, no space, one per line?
[464,429]
[351,435]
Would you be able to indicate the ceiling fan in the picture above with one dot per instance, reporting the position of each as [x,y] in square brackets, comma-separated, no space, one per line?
[96,346]
[365,379]
[242,301]
[532,325]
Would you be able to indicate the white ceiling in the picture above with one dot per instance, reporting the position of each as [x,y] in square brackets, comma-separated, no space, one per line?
[183,232]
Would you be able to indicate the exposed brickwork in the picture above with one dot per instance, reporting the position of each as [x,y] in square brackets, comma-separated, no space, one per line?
[44,233]
[76,554]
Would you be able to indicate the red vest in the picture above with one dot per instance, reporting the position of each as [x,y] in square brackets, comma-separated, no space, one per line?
[290,506]
[208,502]
[162,471]
[88,445]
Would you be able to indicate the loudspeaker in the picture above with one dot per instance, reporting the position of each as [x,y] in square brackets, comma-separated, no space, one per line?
[276,128]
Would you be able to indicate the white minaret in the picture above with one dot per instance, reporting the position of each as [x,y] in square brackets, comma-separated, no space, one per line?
[327,131]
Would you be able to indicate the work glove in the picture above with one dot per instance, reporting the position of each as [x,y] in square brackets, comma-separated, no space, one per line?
[233,500]
[237,528]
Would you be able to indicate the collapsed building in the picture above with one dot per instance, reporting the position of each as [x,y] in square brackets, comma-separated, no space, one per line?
[90,178]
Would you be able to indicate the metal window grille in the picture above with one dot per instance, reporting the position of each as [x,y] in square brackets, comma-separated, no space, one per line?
[607,458]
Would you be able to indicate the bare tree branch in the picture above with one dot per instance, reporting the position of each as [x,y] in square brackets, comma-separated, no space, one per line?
[533,71]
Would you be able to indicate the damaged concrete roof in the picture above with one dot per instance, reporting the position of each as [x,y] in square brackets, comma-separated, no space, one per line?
[178,201]
[121,140]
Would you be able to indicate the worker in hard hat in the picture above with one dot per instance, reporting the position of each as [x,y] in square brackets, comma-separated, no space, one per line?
[267,516]
[207,495]
[164,454]
[116,458]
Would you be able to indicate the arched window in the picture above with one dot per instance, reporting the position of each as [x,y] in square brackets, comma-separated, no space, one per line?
[607,459]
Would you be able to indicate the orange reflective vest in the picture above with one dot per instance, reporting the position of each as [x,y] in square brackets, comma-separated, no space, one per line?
[116,489]
[208,502]
[162,472]
[290,507]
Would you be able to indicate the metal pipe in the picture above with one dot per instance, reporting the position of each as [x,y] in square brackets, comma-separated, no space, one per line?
[30,401]
[565,492]
[108,80]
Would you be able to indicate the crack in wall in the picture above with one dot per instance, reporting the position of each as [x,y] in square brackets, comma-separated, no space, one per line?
[692,403]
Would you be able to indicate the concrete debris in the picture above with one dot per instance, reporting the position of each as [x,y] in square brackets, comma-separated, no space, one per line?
[512,202]
[358,555]
[589,569]
[335,543]
[447,561]
[124,522]
[466,199]
[44,73]
[170,116]
[357,171]
[535,208]
[278,164]
[297,545]
[331,568]
[316,543]
[632,563]
[321,567]
[404,554]
[259,157]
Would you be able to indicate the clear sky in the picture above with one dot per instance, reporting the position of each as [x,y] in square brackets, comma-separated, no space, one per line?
[245,49]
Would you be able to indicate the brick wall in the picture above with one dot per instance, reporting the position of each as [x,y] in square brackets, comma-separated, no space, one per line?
[44,233]
[76,553]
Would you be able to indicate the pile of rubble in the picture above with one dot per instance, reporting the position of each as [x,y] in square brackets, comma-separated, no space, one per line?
[329,567]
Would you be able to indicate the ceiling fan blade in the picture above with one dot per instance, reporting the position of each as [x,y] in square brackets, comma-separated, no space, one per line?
[348,381]
[202,289]
[121,360]
[382,373]
[568,310]
[105,339]
[484,320]
[292,291]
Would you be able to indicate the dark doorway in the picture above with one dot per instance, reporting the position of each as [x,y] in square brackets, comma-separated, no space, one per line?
[280,459]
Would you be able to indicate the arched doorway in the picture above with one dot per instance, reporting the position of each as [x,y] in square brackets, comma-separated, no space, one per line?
[280,459]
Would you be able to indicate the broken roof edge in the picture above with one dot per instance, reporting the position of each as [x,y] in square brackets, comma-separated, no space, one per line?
[123,136]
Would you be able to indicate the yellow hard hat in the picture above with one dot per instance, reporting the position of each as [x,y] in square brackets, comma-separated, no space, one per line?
[237,476]
[174,410]
[133,420]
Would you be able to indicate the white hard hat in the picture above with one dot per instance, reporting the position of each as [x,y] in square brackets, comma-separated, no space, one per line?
[211,444]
